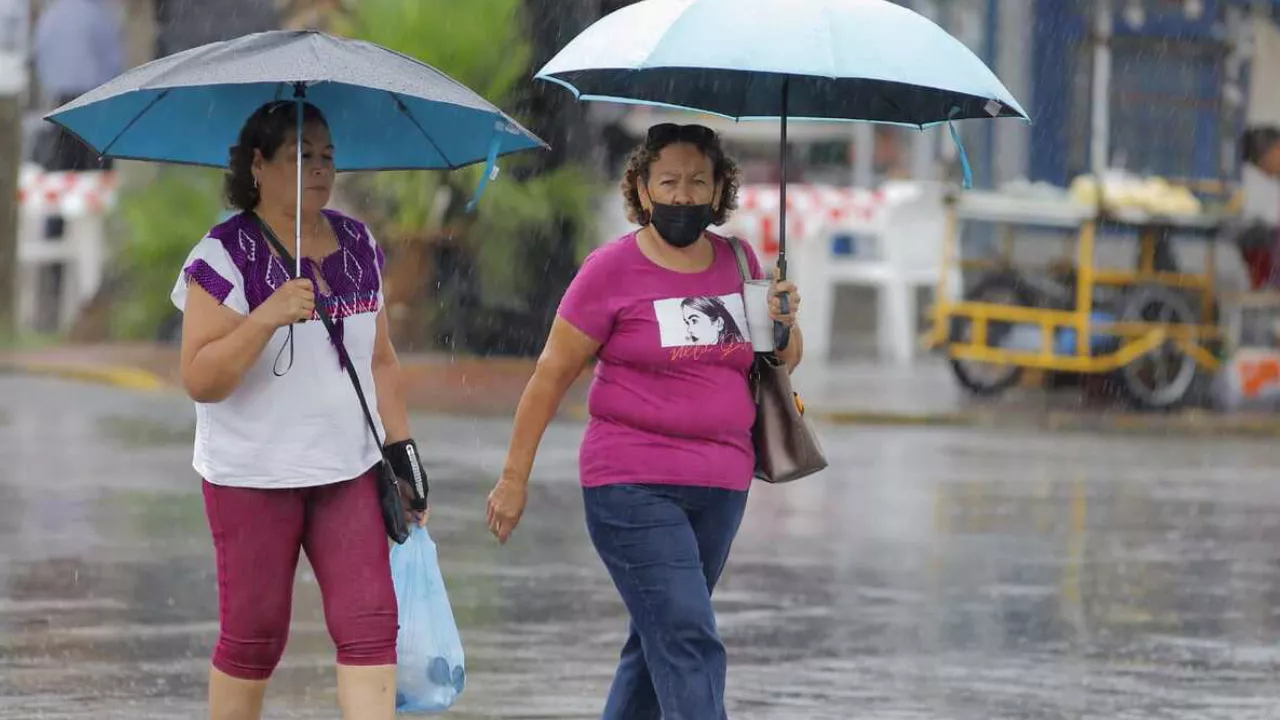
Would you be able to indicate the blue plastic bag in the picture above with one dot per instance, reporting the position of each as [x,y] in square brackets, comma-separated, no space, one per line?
[430,674]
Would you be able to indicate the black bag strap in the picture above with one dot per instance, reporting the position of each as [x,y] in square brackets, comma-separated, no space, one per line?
[283,252]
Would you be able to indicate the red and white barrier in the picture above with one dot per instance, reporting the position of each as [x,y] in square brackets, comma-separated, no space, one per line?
[69,194]
[897,231]
[82,200]
[811,209]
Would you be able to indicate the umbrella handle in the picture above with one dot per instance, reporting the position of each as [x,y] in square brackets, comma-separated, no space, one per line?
[782,333]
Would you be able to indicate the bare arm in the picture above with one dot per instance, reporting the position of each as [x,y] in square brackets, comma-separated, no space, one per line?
[386,379]
[219,346]
[795,350]
[567,352]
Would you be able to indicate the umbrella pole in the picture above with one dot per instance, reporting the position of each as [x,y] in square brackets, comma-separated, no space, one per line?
[782,208]
[299,92]
[782,333]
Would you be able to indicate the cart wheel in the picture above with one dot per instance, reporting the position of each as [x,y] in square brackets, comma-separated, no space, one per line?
[983,378]
[1163,378]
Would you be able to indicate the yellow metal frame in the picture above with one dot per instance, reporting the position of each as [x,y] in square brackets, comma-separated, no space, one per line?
[1137,338]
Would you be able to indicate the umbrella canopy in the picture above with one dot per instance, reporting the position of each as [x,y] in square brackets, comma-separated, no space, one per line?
[868,60]
[386,111]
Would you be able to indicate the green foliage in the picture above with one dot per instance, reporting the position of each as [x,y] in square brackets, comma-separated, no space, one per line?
[482,44]
[164,220]
[515,214]
[479,43]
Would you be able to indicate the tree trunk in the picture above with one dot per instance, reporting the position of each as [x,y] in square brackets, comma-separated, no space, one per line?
[409,297]
[10,123]
[556,116]
[565,123]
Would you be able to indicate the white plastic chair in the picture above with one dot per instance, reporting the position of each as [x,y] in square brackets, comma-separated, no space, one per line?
[896,250]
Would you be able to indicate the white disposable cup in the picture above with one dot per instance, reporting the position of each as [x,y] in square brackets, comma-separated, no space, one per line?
[755,295]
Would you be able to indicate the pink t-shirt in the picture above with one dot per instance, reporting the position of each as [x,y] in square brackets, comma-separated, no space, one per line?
[670,403]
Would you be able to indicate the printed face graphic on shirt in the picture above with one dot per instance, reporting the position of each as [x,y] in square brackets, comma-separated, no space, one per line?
[701,320]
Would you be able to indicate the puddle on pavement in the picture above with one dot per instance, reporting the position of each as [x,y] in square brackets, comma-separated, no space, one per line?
[934,576]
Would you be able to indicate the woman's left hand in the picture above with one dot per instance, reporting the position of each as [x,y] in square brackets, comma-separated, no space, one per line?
[775,303]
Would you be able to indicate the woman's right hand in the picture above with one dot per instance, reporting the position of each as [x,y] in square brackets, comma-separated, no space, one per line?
[290,303]
[506,506]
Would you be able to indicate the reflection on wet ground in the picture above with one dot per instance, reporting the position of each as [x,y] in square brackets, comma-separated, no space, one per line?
[930,574]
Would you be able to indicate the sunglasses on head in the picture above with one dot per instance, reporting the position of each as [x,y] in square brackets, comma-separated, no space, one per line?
[667,133]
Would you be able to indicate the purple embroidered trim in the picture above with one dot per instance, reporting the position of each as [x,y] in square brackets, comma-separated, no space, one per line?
[353,273]
[348,305]
[203,274]
[345,306]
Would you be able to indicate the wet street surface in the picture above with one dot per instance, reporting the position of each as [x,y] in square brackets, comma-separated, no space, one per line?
[930,574]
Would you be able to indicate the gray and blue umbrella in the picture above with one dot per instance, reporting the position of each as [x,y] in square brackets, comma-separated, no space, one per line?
[865,60]
[386,111]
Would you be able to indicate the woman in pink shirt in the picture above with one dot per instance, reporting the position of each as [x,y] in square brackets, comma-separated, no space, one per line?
[667,459]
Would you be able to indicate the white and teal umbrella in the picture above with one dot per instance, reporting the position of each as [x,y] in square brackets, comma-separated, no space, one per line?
[858,60]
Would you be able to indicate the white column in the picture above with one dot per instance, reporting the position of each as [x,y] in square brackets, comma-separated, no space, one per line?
[1014,53]
[924,154]
[864,155]
[1100,103]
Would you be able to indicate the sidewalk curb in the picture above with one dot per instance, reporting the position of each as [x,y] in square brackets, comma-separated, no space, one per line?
[891,417]
[579,413]
[1192,424]
[124,377]
[1195,424]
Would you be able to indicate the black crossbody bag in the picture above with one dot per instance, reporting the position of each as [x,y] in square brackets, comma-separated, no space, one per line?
[393,514]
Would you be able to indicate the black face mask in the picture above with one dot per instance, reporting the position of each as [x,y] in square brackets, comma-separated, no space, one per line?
[681,225]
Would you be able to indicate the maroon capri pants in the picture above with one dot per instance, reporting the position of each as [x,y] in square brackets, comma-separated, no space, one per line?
[257,535]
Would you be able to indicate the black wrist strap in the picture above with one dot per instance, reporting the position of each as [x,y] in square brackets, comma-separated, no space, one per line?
[328,325]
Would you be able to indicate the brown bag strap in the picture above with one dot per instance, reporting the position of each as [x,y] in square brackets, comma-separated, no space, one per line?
[740,252]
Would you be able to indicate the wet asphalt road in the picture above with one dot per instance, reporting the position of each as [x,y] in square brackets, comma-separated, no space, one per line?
[931,574]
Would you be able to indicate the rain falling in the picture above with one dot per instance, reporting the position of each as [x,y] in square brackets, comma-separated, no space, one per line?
[752,359]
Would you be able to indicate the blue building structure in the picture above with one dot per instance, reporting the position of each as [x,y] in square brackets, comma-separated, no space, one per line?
[1169,60]
[1165,97]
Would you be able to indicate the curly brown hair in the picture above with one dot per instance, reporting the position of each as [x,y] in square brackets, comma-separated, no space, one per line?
[726,171]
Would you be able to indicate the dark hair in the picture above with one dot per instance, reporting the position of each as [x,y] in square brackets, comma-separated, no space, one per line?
[266,130]
[1257,141]
[725,170]
[713,308]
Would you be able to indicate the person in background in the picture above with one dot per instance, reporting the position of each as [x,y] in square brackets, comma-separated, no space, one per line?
[1260,147]
[287,459]
[667,459]
[78,46]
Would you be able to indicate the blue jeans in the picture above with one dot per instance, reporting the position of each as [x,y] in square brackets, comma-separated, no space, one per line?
[665,546]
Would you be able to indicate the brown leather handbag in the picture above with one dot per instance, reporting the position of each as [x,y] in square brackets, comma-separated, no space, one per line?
[786,447]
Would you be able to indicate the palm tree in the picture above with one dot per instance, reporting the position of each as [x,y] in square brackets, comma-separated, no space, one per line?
[441,257]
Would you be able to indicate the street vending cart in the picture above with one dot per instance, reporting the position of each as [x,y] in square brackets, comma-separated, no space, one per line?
[1153,325]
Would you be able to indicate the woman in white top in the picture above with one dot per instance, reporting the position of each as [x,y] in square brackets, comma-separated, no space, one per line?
[281,442]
